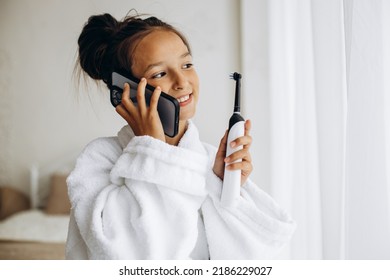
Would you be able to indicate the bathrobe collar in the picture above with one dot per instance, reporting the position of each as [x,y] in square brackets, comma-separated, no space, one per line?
[190,139]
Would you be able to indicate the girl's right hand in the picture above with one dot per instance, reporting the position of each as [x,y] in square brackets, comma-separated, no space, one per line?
[142,119]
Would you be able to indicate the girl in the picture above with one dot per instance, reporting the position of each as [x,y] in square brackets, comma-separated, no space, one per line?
[143,195]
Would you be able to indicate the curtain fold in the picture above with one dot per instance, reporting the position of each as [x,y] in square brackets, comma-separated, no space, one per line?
[329,123]
[386,89]
[294,143]
[367,232]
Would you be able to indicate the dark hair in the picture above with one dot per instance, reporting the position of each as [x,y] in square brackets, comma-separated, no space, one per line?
[106,44]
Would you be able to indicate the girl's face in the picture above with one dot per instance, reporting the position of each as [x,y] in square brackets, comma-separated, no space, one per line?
[164,60]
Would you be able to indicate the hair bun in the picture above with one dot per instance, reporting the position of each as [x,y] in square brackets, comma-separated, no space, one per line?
[94,43]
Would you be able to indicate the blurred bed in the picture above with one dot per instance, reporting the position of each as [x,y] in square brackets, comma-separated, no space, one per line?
[30,231]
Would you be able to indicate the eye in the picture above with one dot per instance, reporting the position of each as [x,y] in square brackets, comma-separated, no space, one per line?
[159,75]
[188,66]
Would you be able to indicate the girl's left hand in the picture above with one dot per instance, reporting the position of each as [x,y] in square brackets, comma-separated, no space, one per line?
[245,165]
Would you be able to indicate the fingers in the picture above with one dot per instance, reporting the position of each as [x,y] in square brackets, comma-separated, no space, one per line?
[154,99]
[142,107]
[126,105]
[248,126]
[120,109]
[242,154]
[126,102]
[222,145]
[143,118]
[245,140]
[245,167]
[219,164]
[141,96]
[241,159]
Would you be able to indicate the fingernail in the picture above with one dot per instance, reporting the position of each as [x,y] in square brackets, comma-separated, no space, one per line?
[233,144]
[143,79]
[227,159]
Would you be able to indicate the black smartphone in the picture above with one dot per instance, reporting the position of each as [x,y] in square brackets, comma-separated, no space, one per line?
[168,107]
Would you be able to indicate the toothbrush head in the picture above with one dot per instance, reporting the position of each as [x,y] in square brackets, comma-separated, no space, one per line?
[236,76]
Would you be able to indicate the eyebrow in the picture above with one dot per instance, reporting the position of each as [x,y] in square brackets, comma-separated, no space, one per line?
[150,66]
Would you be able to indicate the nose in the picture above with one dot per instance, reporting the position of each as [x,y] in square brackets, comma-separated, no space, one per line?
[180,81]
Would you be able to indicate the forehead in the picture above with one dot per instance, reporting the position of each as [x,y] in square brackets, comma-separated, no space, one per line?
[159,45]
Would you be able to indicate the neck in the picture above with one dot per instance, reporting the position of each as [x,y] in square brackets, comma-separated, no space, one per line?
[182,129]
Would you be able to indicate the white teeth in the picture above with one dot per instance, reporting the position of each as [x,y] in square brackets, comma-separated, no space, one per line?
[184,98]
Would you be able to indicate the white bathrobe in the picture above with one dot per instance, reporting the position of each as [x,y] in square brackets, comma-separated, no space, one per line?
[136,197]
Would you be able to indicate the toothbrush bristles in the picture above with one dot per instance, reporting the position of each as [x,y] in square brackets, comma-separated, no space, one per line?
[235,76]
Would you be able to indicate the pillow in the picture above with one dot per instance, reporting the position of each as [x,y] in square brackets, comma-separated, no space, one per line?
[58,200]
[12,201]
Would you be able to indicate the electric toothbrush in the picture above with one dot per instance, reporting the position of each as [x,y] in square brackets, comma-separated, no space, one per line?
[232,178]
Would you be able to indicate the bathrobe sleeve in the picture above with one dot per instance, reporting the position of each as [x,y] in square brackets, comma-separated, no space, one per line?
[89,177]
[254,228]
[141,202]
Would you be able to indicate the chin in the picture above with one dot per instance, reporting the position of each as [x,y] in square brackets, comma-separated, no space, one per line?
[186,114]
[186,117]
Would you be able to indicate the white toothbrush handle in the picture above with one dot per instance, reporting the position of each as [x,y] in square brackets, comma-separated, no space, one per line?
[232,179]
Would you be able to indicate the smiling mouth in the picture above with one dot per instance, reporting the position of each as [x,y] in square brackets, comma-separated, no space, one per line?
[184,100]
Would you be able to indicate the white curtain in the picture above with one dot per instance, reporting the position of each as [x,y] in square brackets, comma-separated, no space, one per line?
[329,121]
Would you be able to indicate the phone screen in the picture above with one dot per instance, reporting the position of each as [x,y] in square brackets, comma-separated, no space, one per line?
[168,107]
